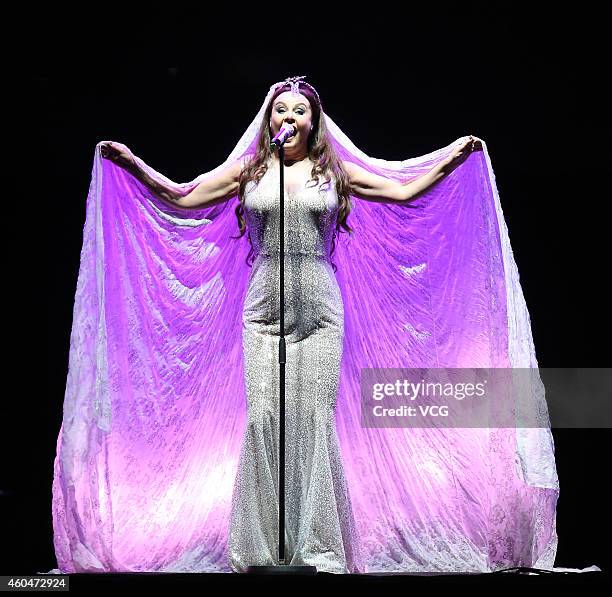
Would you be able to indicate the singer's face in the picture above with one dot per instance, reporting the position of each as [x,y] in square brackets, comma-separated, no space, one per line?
[292,109]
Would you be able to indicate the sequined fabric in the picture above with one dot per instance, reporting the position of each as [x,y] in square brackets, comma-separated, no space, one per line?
[320,528]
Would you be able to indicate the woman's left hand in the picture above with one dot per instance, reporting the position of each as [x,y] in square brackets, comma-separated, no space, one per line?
[461,152]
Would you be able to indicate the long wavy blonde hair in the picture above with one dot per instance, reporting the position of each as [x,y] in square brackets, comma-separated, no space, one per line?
[320,151]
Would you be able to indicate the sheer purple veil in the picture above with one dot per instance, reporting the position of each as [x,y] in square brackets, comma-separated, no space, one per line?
[154,408]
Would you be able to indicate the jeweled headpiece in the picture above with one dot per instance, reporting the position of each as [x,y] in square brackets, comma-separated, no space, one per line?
[294,83]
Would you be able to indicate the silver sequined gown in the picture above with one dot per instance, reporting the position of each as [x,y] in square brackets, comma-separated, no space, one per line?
[320,528]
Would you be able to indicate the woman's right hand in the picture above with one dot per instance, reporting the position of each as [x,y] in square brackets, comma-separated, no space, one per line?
[118,154]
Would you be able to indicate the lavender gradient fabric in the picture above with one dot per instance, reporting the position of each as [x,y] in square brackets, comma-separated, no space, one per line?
[154,408]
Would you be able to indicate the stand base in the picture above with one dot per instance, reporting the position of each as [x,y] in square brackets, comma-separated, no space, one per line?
[281,569]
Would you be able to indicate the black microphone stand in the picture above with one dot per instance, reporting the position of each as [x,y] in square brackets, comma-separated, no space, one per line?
[283,567]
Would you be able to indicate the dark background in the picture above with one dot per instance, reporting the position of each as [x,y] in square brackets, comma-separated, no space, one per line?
[179,89]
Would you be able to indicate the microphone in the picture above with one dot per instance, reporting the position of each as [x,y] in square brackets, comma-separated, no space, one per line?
[287,130]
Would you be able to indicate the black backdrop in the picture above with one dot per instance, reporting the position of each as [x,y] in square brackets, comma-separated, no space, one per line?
[179,88]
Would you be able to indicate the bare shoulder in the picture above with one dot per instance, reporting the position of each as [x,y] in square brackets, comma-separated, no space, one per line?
[350,168]
[355,172]
[237,166]
[217,188]
[372,187]
[244,160]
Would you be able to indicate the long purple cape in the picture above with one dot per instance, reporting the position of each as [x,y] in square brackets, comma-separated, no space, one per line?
[155,408]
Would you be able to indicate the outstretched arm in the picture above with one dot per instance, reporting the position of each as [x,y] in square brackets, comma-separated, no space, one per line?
[372,187]
[121,156]
[379,189]
[216,189]
[211,191]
